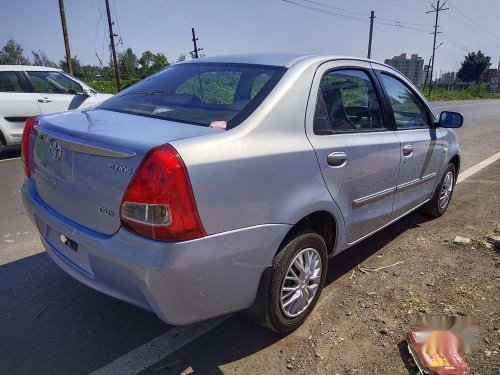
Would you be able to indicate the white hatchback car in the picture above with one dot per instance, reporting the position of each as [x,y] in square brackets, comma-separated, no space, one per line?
[27,91]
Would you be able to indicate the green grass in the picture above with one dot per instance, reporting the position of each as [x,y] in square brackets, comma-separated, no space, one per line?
[470,93]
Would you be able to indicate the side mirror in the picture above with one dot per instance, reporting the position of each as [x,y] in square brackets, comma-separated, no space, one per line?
[87,92]
[450,119]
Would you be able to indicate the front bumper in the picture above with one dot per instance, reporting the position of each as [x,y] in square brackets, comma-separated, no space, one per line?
[182,282]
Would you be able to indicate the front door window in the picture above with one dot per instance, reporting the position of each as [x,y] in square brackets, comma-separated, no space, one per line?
[54,83]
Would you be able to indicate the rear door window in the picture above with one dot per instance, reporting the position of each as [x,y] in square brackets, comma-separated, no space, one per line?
[9,82]
[198,93]
[347,102]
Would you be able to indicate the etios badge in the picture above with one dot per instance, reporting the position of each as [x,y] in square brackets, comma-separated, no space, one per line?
[55,149]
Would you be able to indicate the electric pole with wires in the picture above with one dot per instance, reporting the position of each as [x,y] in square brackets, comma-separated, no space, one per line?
[69,63]
[112,46]
[435,9]
[372,17]
[194,52]
[498,77]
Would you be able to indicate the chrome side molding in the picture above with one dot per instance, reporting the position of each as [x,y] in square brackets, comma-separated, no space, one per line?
[381,194]
[83,146]
[373,197]
[408,184]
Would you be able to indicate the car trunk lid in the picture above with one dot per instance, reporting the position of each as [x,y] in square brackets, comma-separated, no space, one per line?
[83,161]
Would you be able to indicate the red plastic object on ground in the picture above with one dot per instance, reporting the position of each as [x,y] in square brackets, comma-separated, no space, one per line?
[436,352]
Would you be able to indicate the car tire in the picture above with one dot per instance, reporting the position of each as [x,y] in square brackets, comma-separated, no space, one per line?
[286,312]
[440,201]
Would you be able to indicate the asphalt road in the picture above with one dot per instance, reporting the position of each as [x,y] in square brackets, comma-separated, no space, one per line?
[49,323]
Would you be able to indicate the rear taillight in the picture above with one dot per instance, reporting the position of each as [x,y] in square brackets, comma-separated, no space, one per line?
[29,129]
[159,201]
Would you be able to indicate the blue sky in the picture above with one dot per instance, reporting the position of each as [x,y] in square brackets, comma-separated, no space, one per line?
[238,26]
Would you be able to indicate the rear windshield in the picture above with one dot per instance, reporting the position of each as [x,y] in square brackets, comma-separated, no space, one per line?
[199,93]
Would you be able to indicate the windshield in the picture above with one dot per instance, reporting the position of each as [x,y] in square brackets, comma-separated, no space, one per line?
[199,93]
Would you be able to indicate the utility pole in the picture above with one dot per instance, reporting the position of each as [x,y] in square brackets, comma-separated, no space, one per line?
[112,45]
[66,39]
[427,73]
[372,17]
[194,52]
[436,9]
[498,77]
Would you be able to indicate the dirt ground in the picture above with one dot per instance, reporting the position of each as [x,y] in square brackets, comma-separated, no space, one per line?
[360,322]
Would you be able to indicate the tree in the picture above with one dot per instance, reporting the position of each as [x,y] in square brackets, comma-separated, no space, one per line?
[41,59]
[77,67]
[473,67]
[151,63]
[12,54]
[128,63]
[181,58]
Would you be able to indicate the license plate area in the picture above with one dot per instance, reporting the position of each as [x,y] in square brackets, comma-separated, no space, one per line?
[70,251]
[69,242]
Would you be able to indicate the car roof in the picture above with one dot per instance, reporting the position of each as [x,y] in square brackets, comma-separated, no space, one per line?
[275,59]
[18,68]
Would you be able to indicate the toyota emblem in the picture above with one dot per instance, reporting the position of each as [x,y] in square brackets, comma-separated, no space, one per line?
[55,149]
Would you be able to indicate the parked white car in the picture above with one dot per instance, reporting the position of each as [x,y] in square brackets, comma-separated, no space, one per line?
[27,91]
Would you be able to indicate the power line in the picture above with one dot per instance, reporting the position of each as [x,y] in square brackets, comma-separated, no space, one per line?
[455,41]
[120,39]
[96,33]
[363,14]
[319,10]
[403,27]
[333,7]
[352,18]
[472,21]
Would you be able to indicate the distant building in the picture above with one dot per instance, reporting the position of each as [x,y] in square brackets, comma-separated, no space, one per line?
[489,75]
[412,68]
[448,78]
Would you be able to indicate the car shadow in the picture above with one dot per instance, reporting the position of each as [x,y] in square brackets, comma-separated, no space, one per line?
[10,152]
[357,254]
[52,324]
[238,338]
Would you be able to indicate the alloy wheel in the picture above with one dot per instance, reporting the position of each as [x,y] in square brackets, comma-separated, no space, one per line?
[301,282]
[446,190]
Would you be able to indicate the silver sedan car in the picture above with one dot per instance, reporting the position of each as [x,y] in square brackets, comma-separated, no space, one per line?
[226,183]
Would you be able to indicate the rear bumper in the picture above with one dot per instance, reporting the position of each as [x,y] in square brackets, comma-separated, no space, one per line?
[181,282]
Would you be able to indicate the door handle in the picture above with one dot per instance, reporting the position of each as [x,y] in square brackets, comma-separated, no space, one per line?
[44,100]
[337,159]
[408,150]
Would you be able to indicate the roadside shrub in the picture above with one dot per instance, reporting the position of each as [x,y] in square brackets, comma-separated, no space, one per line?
[109,87]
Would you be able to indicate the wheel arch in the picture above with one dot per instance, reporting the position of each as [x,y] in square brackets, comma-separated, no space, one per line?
[317,221]
[322,222]
[3,141]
